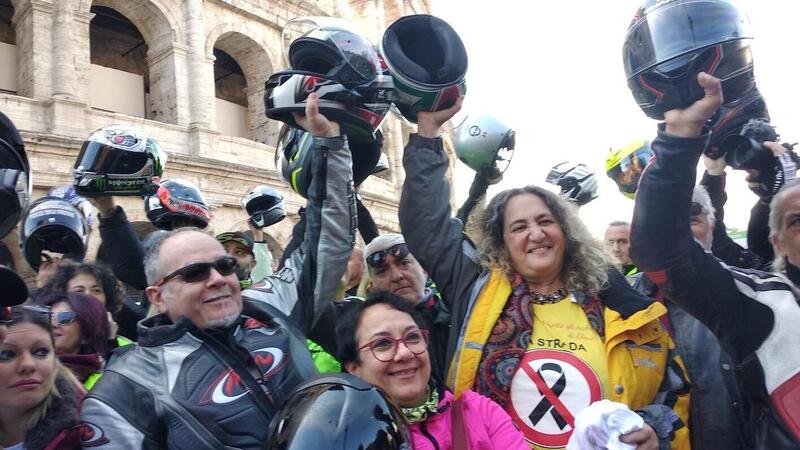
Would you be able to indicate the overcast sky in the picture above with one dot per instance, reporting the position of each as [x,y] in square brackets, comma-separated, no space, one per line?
[553,72]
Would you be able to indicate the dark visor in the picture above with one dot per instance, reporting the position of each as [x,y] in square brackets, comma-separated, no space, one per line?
[676,29]
[96,157]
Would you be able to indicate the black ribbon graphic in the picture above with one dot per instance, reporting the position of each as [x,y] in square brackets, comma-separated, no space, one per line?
[544,405]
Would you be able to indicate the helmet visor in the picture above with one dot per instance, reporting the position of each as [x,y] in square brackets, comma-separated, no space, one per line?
[101,158]
[678,28]
[629,170]
[356,62]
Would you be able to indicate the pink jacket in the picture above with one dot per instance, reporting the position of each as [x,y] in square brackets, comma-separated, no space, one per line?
[489,426]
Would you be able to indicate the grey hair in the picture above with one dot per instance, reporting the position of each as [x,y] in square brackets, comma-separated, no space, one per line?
[619,223]
[152,264]
[776,221]
[586,260]
[701,197]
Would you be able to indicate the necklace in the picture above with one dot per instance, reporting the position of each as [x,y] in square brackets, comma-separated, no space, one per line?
[547,299]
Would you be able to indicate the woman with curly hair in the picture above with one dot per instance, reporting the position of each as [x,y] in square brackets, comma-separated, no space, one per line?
[96,281]
[543,323]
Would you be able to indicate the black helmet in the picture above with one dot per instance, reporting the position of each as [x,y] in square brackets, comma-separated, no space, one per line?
[117,160]
[669,43]
[15,176]
[428,63]
[578,183]
[264,205]
[731,117]
[53,224]
[344,69]
[338,412]
[293,158]
[177,200]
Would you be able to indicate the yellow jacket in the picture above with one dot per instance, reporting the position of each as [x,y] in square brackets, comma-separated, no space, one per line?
[638,349]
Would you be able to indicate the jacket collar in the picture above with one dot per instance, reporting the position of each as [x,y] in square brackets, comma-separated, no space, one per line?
[160,330]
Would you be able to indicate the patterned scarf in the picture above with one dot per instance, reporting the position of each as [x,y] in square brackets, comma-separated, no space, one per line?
[420,413]
[511,336]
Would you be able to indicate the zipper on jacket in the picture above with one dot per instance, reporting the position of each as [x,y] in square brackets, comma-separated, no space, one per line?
[424,430]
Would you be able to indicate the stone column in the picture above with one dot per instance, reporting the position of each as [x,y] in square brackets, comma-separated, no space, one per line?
[199,67]
[32,22]
[169,96]
[63,68]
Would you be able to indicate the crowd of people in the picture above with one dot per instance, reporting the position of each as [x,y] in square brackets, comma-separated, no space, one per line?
[497,327]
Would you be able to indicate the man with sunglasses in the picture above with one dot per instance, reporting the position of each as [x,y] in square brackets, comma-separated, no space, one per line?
[214,366]
[393,268]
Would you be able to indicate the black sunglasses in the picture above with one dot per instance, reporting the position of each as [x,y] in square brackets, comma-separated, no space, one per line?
[377,259]
[197,272]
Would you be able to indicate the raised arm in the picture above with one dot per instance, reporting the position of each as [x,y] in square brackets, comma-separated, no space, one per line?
[661,241]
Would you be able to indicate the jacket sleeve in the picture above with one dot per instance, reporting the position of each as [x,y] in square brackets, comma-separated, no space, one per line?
[722,246]
[118,414]
[315,266]
[123,250]
[435,238]
[663,247]
[502,433]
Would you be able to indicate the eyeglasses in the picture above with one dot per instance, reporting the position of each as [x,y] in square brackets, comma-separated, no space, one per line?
[7,313]
[64,318]
[378,258]
[384,349]
[698,209]
[197,272]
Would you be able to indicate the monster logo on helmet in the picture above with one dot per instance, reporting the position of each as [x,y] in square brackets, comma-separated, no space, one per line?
[670,42]
[625,165]
[428,62]
[117,160]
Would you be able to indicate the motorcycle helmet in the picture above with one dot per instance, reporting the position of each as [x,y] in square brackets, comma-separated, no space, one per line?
[264,205]
[117,160]
[578,183]
[293,158]
[669,43]
[731,117]
[625,165]
[53,224]
[80,203]
[427,61]
[485,144]
[177,200]
[15,176]
[338,412]
[344,69]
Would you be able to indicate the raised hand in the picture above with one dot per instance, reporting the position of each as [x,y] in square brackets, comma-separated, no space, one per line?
[314,122]
[429,124]
[689,122]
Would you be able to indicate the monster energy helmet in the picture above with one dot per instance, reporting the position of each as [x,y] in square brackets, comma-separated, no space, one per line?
[670,42]
[625,165]
[485,144]
[427,61]
[578,183]
[117,160]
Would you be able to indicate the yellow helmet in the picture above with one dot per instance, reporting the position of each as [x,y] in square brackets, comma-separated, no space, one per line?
[625,165]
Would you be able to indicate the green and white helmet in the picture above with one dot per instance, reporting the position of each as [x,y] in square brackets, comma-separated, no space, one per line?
[485,144]
[427,61]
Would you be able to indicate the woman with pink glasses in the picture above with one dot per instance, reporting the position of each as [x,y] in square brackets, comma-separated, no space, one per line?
[381,341]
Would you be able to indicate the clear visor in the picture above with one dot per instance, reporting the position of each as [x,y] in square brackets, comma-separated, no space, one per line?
[359,61]
[100,158]
[54,213]
[678,28]
[629,170]
[300,26]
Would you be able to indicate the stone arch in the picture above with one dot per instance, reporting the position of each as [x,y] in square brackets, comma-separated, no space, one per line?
[256,64]
[151,17]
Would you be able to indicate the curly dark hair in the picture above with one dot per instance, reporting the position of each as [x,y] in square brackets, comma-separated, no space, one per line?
[67,271]
[91,316]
